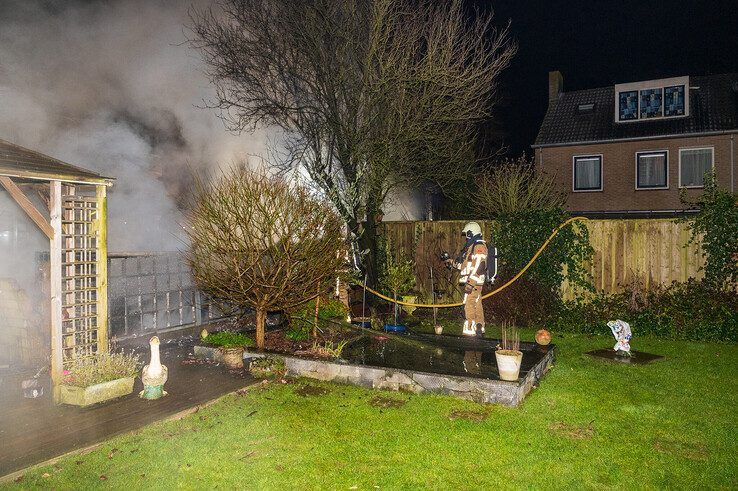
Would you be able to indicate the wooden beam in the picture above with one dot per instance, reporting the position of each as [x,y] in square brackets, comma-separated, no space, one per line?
[55,259]
[27,206]
[101,223]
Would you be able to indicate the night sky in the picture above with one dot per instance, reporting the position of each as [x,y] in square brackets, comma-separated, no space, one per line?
[596,44]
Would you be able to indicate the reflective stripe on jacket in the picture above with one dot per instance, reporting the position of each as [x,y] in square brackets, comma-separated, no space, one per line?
[474,267]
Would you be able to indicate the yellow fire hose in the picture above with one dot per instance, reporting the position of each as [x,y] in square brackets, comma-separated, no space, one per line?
[493,292]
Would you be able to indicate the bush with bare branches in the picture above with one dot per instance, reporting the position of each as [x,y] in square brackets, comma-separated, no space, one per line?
[259,243]
[515,186]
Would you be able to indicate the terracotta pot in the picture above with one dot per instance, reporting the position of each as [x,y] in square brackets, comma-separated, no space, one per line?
[508,364]
[233,358]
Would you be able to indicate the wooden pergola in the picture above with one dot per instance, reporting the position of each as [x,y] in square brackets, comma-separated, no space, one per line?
[76,225]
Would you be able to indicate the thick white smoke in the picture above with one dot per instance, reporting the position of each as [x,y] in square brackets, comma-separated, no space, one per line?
[110,86]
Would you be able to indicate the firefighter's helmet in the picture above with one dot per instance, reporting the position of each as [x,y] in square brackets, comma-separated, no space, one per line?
[471,229]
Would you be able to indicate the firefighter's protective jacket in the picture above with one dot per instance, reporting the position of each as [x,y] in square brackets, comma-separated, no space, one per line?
[474,264]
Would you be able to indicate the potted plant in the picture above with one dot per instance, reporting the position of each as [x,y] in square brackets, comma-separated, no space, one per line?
[508,355]
[399,278]
[99,378]
[231,344]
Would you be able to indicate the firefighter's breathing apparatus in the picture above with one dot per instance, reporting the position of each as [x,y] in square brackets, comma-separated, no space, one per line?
[493,292]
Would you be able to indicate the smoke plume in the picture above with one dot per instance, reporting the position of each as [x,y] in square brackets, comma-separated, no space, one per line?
[111,87]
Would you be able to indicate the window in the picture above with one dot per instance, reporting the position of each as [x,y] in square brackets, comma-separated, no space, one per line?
[693,163]
[651,103]
[587,108]
[652,100]
[588,173]
[674,100]
[652,170]
[628,105]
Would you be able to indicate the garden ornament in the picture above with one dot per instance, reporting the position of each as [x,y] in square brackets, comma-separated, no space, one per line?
[154,375]
[621,331]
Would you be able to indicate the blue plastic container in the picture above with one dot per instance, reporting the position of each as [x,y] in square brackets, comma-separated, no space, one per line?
[395,328]
[364,322]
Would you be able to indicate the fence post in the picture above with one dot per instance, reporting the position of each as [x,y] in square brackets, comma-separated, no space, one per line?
[198,308]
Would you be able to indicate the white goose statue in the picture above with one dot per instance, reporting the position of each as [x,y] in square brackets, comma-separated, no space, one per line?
[154,375]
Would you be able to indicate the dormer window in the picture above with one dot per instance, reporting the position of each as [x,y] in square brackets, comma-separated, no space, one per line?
[654,99]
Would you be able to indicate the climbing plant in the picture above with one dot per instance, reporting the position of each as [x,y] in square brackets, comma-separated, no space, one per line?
[526,208]
[716,227]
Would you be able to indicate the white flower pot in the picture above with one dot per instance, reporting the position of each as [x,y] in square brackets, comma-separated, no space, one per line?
[508,364]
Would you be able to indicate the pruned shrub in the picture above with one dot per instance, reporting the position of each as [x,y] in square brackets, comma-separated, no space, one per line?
[261,243]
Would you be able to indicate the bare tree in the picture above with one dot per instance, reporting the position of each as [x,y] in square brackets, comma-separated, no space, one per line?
[370,94]
[260,243]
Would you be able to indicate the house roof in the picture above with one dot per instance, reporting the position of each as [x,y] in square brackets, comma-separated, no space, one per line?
[17,161]
[714,109]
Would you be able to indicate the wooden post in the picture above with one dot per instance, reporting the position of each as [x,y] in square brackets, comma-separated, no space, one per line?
[55,260]
[102,268]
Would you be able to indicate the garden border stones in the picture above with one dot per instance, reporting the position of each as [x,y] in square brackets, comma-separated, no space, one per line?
[475,389]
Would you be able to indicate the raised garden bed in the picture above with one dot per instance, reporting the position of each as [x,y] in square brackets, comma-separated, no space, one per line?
[399,368]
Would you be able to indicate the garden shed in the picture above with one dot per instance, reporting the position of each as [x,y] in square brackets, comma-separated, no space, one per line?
[53,261]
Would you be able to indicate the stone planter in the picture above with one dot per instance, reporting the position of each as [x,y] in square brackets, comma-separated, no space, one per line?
[86,396]
[508,364]
[233,358]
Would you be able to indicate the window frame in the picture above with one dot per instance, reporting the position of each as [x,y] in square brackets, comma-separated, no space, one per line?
[574,173]
[712,164]
[640,153]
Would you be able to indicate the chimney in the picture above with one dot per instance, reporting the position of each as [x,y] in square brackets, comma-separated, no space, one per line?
[555,86]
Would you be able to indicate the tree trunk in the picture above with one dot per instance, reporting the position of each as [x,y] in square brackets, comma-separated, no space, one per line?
[260,328]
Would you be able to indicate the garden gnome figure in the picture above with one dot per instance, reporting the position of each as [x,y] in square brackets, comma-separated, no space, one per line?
[472,261]
[154,375]
[621,331]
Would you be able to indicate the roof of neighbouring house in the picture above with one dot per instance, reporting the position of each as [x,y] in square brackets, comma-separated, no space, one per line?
[713,108]
[17,161]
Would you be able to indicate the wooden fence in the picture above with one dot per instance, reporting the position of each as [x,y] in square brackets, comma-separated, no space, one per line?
[653,251]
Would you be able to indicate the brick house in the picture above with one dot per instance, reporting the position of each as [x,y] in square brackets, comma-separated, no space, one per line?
[629,149]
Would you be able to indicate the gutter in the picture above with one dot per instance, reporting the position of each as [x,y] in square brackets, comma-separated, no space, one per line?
[637,138]
[633,214]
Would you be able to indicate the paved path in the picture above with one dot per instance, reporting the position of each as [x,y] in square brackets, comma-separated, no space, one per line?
[34,430]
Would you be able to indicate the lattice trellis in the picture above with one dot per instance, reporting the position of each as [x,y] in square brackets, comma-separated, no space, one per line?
[81,227]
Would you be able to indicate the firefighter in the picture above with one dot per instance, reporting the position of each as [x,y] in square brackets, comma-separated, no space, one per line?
[472,261]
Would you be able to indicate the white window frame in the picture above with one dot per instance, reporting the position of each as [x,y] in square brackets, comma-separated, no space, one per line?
[574,173]
[651,152]
[712,164]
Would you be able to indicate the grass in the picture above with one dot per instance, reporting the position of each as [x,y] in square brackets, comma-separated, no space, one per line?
[670,424]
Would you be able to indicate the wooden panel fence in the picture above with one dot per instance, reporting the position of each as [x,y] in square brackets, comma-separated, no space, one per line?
[652,251]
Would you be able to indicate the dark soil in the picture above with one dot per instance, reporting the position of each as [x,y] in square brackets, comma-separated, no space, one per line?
[477,416]
[311,390]
[276,342]
[387,402]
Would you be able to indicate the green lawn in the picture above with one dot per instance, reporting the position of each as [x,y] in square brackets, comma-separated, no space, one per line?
[671,424]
